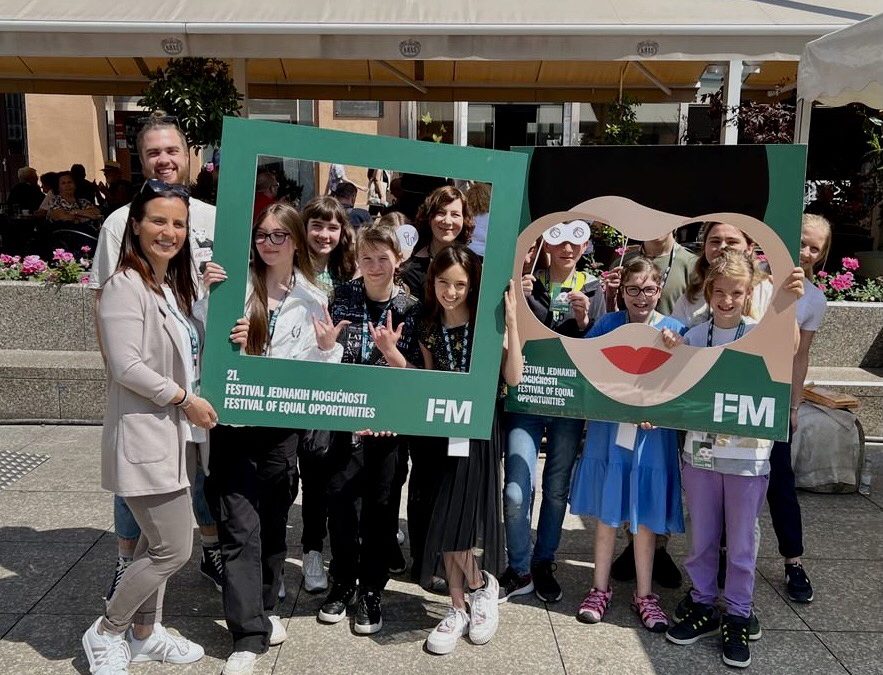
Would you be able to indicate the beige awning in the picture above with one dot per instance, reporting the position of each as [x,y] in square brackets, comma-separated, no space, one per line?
[455,50]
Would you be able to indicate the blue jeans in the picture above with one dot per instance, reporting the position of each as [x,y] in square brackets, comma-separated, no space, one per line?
[524,433]
[124,522]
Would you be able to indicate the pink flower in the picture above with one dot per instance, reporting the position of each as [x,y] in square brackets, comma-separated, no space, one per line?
[823,274]
[761,257]
[85,249]
[821,287]
[84,279]
[842,282]
[850,263]
[62,256]
[32,265]
[620,250]
[5,259]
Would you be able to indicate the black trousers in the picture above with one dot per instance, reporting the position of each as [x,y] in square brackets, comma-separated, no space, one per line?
[782,498]
[360,538]
[253,483]
[314,465]
[427,457]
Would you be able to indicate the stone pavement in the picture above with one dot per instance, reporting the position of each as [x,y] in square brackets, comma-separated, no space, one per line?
[57,552]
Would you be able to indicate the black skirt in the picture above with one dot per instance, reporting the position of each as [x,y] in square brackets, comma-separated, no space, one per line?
[468,512]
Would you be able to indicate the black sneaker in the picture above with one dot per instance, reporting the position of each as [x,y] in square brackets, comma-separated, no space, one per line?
[699,622]
[797,583]
[665,572]
[687,603]
[734,638]
[397,563]
[369,616]
[212,565]
[122,564]
[512,584]
[623,568]
[544,584]
[339,598]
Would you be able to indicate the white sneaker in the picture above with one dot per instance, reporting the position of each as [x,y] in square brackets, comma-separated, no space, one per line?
[315,577]
[239,663]
[444,637]
[278,635]
[108,653]
[162,646]
[484,612]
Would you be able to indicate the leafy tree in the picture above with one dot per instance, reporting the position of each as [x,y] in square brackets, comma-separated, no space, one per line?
[199,92]
[621,125]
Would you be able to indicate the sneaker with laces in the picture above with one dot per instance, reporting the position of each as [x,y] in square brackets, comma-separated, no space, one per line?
[278,634]
[484,613]
[108,653]
[665,571]
[340,597]
[545,585]
[594,605]
[212,565]
[652,616]
[513,584]
[444,637]
[122,564]
[797,584]
[240,663]
[623,568]
[369,614]
[754,630]
[315,577]
[734,639]
[699,622]
[162,646]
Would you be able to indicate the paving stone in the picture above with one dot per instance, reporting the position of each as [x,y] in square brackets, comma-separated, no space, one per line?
[46,645]
[28,570]
[860,653]
[19,436]
[847,594]
[54,516]
[7,621]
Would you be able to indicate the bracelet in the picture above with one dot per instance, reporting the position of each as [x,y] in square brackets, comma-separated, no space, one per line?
[180,404]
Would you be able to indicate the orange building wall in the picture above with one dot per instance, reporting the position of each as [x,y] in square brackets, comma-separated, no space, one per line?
[65,130]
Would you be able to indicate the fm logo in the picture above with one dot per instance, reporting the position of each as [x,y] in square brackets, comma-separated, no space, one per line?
[745,409]
[458,412]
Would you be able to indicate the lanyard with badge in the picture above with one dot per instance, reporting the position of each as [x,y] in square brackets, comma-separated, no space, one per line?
[367,344]
[194,343]
[671,257]
[740,331]
[273,317]
[560,304]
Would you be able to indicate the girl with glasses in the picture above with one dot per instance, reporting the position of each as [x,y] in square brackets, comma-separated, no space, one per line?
[629,474]
[254,469]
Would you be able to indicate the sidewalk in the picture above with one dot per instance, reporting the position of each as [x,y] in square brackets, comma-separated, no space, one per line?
[57,555]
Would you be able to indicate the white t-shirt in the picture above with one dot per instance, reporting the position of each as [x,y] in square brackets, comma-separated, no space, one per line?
[729,454]
[691,313]
[110,239]
[187,338]
[811,307]
[479,235]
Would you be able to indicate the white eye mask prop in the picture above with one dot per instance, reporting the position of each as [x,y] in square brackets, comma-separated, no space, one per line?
[576,232]
[407,236]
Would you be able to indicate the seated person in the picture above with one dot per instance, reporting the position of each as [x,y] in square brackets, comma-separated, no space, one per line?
[66,207]
[26,194]
[346,194]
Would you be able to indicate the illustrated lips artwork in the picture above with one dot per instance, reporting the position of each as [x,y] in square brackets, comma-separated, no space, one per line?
[636,361]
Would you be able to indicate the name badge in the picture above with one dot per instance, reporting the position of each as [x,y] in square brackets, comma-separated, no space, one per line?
[626,435]
[458,447]
[703,455]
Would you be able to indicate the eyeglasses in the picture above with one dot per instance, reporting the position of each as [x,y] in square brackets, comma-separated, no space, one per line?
[157,186]
[277,238]
[635,291]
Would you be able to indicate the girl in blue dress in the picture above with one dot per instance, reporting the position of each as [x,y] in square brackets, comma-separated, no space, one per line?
[628,474]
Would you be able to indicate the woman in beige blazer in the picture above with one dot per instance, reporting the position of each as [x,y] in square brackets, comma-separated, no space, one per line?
[153,418]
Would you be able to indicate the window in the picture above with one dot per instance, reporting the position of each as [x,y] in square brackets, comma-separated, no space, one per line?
[358,109]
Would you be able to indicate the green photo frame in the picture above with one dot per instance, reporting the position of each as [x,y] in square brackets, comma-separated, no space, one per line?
[264,391]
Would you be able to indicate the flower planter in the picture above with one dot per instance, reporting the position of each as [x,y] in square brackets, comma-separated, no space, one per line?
[37,316]
[850,337]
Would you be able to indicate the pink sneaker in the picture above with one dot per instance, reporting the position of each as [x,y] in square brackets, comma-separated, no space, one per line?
[652,616]
[594,606]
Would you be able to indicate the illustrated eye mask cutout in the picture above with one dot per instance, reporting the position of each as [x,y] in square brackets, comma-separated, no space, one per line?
[627,364]
[576,232]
